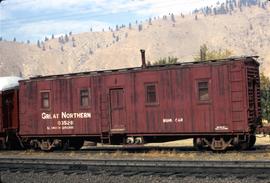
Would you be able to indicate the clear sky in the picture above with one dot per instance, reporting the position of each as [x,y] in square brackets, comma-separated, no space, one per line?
[34,19]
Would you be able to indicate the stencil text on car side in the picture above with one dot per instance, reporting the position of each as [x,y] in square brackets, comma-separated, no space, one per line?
[172,120]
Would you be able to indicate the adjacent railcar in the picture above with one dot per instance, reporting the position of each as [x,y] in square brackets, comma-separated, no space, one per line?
[2,134]
[215,102]
[9,110]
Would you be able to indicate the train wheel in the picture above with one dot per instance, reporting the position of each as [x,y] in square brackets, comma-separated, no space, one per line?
[217,144]
[2,143]
[46,145]
[76,143]
[252,141]
[65,145]
[244,146]
[33,144]
[244,143]
[198,144]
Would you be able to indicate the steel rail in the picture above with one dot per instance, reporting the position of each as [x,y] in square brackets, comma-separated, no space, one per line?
[247,168]
[145,149]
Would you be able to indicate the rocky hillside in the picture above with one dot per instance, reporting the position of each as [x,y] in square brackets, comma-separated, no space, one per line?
[244,32]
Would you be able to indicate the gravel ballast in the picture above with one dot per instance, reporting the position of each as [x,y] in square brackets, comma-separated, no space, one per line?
[31,177]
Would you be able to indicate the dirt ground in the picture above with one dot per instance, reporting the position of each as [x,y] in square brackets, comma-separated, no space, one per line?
[260,140]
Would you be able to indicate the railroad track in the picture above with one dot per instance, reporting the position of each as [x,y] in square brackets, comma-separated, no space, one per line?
[138,149]
[201,169]
[146,149]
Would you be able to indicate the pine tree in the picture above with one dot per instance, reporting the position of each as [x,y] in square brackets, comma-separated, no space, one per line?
[20,73]
[172,17]
[66,38]
[149,21]
[265,96]
[222,9]
[140,27]
[203,50]
[206,54]
[163,61]
[61,40]
[234,2]
[38,44]
[90,51]
[263,5]
[215,11]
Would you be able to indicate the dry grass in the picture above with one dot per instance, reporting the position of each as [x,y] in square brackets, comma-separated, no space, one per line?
[261,140]
[178,143]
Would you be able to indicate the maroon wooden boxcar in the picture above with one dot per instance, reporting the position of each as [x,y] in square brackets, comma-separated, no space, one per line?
[2,134]
[215,102]
[9,110]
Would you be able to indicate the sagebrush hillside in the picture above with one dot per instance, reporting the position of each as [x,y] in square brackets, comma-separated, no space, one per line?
[244,32]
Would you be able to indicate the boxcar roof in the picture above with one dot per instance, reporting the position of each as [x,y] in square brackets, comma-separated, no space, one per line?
[7,83]
[151,67]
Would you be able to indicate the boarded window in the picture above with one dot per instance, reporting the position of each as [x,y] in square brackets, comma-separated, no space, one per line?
[45,100]
[84,97]
[203,91]
[151,94]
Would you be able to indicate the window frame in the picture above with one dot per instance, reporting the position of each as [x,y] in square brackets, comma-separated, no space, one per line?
[88,96]
[149,103]
[198,91]
[42,92]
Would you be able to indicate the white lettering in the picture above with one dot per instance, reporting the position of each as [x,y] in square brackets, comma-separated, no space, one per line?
[55,116]
[46,116]
[67,127]
[167,120]
[221,128]
[178,120]
[171,120]
[65,115]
